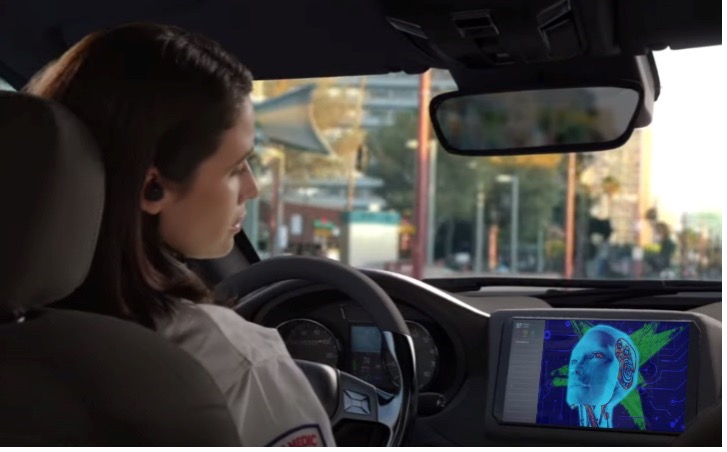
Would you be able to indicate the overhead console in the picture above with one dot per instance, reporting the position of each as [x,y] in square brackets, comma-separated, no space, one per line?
[602,372]
[500,33]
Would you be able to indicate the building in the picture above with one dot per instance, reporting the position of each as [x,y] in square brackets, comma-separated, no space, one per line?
[619,181]
[311,211]
[387,94]
[333,193]
[371,102]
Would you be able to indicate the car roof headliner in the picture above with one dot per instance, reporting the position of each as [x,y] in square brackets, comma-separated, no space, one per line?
[275,38]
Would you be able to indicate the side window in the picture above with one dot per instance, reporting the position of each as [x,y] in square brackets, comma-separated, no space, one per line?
[5,86]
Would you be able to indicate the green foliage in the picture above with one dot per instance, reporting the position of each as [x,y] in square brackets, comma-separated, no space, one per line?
[459,178]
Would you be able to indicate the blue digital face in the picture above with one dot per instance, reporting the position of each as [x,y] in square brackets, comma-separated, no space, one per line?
[601,368]
[621,374]
[593,370]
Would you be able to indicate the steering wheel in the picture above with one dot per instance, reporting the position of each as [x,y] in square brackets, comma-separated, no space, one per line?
[344,396]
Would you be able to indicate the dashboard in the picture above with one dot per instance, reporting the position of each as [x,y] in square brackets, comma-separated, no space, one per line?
[507,369]
[340,334]
[365,355]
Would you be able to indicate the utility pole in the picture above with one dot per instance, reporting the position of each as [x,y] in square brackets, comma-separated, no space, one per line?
[570,213]
[431,226]
[419,250]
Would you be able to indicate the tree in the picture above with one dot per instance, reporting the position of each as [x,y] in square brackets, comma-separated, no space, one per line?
[541,187]
[550,161]
[393,162]
[459,178]
[610,186]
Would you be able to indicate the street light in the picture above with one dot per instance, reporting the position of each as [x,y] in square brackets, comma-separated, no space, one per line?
[515,181]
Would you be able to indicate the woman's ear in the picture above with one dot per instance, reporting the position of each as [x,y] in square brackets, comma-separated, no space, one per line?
[152,195]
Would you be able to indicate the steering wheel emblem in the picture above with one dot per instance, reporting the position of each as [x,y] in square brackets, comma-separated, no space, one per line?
[356,403]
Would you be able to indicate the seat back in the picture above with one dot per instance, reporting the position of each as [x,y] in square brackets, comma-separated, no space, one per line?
[73,378]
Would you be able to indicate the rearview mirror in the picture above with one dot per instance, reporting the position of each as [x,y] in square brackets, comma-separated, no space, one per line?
[552,120]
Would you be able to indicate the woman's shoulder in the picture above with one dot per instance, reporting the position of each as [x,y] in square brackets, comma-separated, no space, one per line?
[207,330]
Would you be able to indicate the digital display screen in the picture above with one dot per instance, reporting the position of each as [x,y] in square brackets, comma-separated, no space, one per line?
[626,375]
[369,358]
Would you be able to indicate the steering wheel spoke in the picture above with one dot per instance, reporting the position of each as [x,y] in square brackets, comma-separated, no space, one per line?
[357,401]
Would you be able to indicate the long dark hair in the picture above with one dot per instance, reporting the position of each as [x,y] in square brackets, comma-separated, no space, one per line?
[152,95]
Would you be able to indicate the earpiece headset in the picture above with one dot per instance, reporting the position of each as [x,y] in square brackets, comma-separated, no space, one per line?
[154,192]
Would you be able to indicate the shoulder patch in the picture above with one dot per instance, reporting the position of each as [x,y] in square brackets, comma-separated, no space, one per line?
[309,435]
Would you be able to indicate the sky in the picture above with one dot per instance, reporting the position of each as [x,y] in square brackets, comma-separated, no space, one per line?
[689,153]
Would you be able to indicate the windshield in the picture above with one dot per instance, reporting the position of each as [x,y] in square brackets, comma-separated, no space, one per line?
[337,170]
[337,166]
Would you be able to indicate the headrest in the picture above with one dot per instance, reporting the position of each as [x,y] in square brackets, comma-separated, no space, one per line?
[51,196]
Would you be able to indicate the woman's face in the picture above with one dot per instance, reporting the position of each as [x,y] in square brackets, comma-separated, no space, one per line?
[201,221]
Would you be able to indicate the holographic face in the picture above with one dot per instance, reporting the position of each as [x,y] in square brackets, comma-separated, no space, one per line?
[594,368]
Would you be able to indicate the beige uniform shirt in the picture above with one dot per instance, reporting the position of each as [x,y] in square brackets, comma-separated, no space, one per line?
[271,401]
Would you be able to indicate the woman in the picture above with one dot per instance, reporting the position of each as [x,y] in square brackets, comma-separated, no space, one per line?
[172,115]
